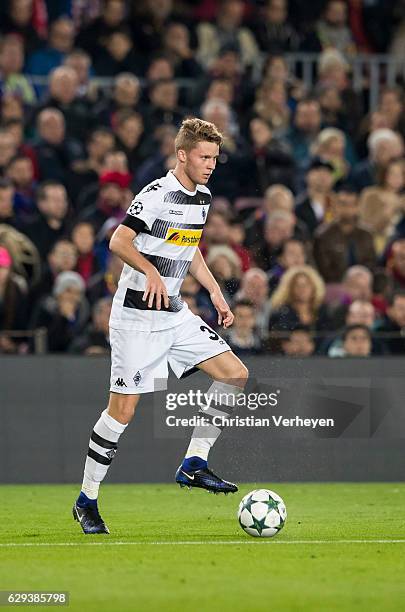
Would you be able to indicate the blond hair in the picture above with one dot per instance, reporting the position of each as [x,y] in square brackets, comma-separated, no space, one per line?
[283,294]
[194,130]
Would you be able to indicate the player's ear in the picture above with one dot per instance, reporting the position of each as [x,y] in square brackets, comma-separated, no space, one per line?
[182,155]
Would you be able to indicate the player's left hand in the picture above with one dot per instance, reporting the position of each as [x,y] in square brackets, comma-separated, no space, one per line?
[225,315]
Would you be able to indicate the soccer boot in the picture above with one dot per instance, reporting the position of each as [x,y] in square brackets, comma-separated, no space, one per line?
[89,519]
[204,478]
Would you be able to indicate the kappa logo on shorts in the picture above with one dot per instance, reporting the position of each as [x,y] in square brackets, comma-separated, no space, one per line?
[183,237]
[137,378]
[120,382]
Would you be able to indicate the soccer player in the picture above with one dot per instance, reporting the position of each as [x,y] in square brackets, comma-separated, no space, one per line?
[150,325]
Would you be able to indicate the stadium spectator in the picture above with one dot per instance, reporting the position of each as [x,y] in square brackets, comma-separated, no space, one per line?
[357,284]
[20,171]
[396,263]
[7,213]
[226,267]
[61,258]
[333,147]
[55,151]
[380,213]
[63,313]
[8,149]
[130,138]
[17,19]
[279,227]
[83,237]
[15,127]
[392,326]
[95,337]
[298,342]
[384,145]
[298,299]
[343,242]
[118,55]
[304,130]
[313,206]
[60,42]
[357,341]
[125,96]
[176,47]
[254,287]
[333,29]
[13,303]
[110,200]
[242,336]
[391,105]
[11,67]
[80,62]
[104,284]
[272,30]
[227,31]
[218,232]
[92,37]
[149,22]
[292,254]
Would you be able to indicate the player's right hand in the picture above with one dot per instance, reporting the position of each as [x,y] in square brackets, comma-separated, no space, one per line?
[155,288]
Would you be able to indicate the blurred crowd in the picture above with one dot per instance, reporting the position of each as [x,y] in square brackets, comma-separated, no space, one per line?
[306,232]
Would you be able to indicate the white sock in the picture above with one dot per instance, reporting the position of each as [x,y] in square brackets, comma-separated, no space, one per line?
[102,449]
[204,437]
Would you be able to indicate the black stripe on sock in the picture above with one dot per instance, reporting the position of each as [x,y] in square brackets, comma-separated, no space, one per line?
[97,457]
[102,441]
[209,418]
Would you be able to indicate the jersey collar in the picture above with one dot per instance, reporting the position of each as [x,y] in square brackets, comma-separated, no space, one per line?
[178,185]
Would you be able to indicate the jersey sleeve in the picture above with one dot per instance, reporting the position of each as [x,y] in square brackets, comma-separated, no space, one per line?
[144,208]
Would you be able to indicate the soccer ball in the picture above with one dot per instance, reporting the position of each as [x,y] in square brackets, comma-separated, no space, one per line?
[262,513]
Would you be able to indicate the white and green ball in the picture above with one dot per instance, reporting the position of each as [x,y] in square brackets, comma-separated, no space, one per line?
[262,513]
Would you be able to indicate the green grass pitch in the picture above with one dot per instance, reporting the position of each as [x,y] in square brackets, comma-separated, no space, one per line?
[170,549]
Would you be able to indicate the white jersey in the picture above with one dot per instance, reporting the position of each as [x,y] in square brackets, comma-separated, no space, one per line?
[169,221]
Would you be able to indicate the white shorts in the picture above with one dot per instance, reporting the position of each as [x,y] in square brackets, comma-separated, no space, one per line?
[139,359]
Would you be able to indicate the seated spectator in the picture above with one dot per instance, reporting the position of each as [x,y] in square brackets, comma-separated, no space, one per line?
[125,96]
[105,284]
[149,23]
[18,19]
[218,232]
[298,342]
[63,313]
[59,43]
[13,304]
[95,338]
[357,341]
[360,312]
[333,146]
[380,214]
[85,172]
[176,47]
[279,227]
[305,128]
[391,105]
[396,263]
[110,200]
[242,336]
[271,104]
[61,258]
[20,171]
[8,149]
[292,254]
[384,145]
[313,206]
[333,30]
[63,95]
[343,242]
[55,150]
[49,225]
[192,290]
[80,62]
[83,237]
[392,327]
[118,55]
[92,36]
[254,287]
[273,31]
[160,161]
[227,30]
[272,159]
[225,266]
[333,112]
[130,138]
[7,213]
[16,128]
[163,107]
[11,67]
[298,300]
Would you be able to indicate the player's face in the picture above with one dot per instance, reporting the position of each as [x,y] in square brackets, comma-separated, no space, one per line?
[200,162]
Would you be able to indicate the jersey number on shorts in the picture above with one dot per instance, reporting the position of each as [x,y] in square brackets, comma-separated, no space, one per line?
[213,335]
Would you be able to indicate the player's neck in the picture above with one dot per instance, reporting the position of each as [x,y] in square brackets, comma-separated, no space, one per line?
[184,180]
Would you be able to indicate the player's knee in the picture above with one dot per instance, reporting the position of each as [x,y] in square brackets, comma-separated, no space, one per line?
[241,374]
[122,407]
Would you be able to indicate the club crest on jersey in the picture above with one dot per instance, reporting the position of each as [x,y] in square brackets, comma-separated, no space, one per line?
[182,237]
